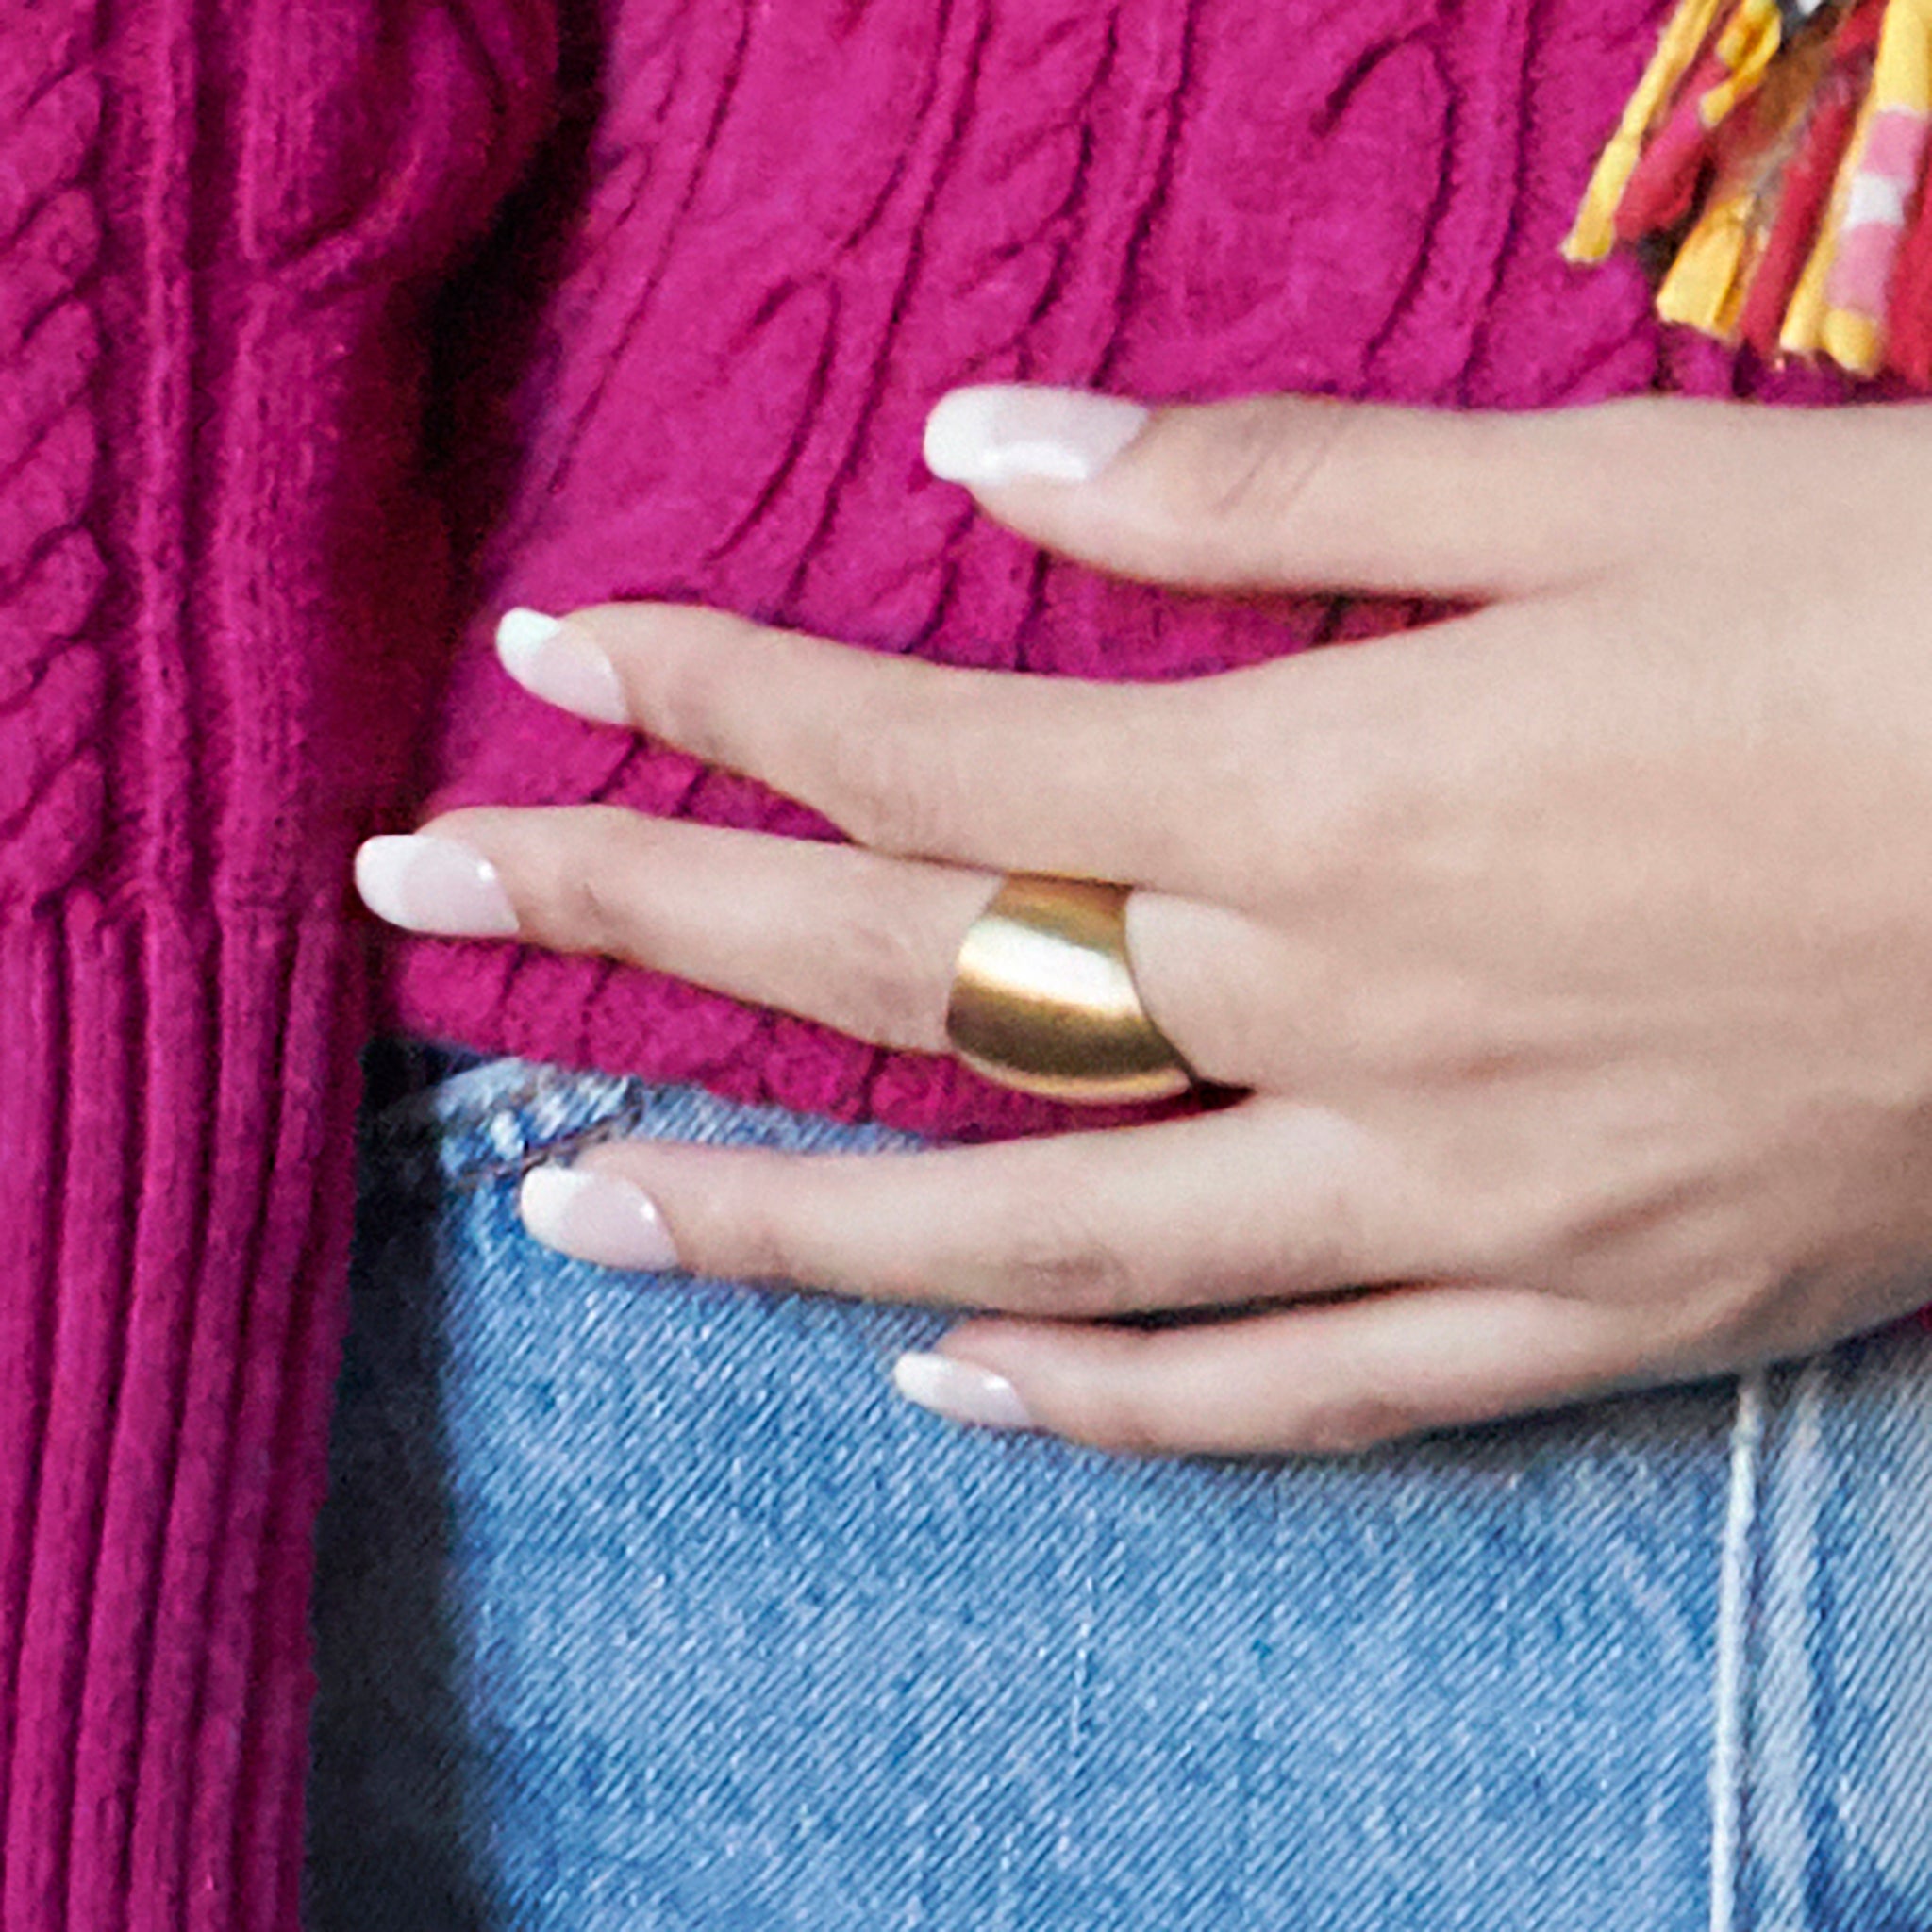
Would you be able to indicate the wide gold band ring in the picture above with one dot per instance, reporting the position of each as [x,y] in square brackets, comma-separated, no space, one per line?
[1043,997]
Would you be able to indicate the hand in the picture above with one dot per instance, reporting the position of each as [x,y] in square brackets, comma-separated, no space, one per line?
[1577,953]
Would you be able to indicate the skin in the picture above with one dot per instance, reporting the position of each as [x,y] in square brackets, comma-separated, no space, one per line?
[1577,953]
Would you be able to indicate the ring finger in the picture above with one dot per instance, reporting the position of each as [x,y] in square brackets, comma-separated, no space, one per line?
[1266,1199]
[855,940]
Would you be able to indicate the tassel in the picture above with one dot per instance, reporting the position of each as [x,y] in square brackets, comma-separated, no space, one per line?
[1776,157]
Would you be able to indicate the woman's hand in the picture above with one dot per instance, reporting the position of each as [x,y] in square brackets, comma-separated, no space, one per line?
[1578,953]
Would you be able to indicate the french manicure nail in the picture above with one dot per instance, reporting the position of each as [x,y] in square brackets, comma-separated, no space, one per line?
[1004,434]
[555,662]
[426,884]
[959,1391]
[595,1217]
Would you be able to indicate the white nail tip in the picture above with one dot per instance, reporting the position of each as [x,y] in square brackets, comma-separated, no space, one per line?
[996,434]
[425,884]
[560,666]
[959,1391]
[594,1217]
[523,631]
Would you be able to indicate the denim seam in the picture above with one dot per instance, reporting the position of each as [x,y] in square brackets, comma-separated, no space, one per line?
[429,1116]
[594,1134]
[1783,1741]
[1730,1664]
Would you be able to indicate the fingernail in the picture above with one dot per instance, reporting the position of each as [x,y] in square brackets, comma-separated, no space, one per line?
[426,884]
[595,1217]
[559,664]
[960,1392]
[994,435]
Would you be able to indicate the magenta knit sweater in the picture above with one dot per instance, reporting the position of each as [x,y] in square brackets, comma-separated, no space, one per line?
[278,444]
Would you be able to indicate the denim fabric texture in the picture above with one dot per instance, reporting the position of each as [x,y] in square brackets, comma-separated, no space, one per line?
[645,1604]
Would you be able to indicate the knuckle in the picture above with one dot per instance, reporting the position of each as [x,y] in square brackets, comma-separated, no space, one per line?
[1060,1260]
[1428,1029]
[762,1252]
[888,786]
[1753,1314]
[1535,1210]
[1089,1282]
[1338,1242]
[740,1223]
[1517,1232]
[867,797]
[1346,824]
[1360,1420]
[1267,460]
[572,895]
[587,913]
[689,702]
[894,980]
[1343,1208]
[1127,1423]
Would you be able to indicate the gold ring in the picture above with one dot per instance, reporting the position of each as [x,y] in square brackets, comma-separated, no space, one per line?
[1043,997]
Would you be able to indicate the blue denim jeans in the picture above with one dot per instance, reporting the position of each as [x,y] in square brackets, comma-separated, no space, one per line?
[644,1605]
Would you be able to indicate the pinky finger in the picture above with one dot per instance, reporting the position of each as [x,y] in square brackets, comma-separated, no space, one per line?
[1322,1379]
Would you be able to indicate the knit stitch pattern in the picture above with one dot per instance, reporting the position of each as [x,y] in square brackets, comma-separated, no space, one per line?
[795,227]
[220,228]
[277,443]
[51,678]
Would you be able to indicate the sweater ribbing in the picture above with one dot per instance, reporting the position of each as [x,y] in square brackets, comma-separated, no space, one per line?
[224,578]
[51,810]
[765,238]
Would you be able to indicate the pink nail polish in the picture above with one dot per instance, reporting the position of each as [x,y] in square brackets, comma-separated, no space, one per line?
[595,1217]
[996,434]
[426,884]
[960,1392]
[559,664]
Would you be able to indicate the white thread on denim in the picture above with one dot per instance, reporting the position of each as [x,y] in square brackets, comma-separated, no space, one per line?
[1727,1717]
[1783,1750]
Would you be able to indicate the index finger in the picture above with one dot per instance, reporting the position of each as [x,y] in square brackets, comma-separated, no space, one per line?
[1185,787]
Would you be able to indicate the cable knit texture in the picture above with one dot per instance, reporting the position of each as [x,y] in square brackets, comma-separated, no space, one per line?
[796,226]
[736,249]
[220,566]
